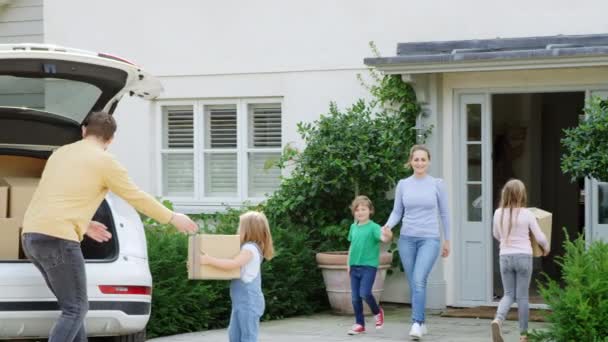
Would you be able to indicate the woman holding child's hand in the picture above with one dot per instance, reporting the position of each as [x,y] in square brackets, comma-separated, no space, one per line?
[419,200]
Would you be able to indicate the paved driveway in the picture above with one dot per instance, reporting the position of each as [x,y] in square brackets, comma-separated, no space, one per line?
[327,327]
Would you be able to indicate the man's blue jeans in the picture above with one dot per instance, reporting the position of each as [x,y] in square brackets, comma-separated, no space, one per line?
[361,283]
[62,266]
[418,255]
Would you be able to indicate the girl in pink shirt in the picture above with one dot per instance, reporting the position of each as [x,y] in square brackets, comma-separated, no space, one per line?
[512,225]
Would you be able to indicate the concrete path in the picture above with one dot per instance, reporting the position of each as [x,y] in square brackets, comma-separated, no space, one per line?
[327,327]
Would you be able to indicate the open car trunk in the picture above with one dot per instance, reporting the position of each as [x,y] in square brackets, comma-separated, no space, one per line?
[31,167]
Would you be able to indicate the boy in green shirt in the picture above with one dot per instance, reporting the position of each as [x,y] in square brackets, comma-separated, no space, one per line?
[365,237]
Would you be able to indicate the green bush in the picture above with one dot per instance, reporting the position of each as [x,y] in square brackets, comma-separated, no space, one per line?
[180,305]
[579,302]
[586,146]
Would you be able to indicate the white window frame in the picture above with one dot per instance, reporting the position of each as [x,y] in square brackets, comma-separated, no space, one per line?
[199,202]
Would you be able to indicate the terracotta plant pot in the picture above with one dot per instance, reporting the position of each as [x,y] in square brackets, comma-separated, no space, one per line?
[337,280]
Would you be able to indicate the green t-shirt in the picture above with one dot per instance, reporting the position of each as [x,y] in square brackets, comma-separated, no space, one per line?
[364,244]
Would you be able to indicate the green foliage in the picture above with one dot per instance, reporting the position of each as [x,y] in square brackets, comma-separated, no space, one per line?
[579,303]
[180,305]
[359,150]
[586,145]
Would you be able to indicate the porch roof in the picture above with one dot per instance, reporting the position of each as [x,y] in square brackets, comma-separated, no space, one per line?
[495,54]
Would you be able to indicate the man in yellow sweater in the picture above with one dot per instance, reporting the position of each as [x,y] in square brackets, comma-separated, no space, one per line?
[74,182]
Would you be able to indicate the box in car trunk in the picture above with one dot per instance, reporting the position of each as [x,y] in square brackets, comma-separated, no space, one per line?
[21,190]
[3,199]
[9,238]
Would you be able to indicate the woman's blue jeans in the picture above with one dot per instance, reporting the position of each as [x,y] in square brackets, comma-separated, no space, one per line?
[418,255]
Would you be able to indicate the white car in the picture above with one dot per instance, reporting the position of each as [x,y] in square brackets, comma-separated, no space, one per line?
[45,94]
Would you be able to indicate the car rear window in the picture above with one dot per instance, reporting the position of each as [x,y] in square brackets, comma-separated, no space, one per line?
[68,98]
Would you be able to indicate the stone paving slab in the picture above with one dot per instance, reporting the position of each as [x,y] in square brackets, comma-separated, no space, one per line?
[332,328]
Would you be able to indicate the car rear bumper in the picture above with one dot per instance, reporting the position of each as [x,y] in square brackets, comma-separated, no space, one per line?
[105,318]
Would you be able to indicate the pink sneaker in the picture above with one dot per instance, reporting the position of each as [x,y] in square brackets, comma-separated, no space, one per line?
[356,329]
[380,319]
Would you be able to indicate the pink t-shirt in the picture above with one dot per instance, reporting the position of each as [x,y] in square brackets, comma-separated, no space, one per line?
[523,222]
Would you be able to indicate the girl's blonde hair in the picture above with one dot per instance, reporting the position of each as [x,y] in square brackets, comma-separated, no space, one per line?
[414,149]
[254,227]
[513,196]
[362,200]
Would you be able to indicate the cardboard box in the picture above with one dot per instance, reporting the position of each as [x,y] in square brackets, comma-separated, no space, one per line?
[545,221]
[9,238]
[220,246]
[3,199]
[20,194]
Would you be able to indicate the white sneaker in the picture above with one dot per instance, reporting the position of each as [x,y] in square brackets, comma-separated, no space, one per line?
[416,331]
[497,331]
[424,329]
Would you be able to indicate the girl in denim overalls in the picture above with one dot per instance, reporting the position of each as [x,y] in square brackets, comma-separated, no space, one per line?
[246,291]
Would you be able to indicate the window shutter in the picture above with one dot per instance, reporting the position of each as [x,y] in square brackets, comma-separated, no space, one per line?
[178,158]
[221,174]
[178,175]
[179,128]
[222,129]
[264,176]
[265,127]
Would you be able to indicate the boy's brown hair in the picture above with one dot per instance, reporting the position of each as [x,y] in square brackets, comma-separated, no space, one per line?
[254,227]
[362,200]
[101,125]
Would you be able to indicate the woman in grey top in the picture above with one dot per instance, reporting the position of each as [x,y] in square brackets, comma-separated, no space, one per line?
[419,201]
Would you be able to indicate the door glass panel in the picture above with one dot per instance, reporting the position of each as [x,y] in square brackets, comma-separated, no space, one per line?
[474,202]
[474,162]
[474,122]
[602,205]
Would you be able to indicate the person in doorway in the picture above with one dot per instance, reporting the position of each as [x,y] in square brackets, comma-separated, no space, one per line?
[74,182]
[419,200]
[365,237]
[246,292]
[512,225]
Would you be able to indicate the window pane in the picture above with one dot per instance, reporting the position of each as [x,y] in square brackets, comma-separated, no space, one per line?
[264,175]
[221,127]
[178,128]
[178,175]
[474,122]
[602,205]
[265,126]
[68,98]
[474,162]
[474,202]
[220,175]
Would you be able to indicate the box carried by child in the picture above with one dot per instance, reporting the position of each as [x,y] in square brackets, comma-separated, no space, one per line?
[220,246]
[545,221]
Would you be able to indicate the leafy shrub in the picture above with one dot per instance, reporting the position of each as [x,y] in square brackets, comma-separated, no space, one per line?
[359,150]
[586,145]
[579,302]
[180,305]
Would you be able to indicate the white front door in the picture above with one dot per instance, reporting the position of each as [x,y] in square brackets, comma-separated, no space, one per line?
[474,200]
[596,201]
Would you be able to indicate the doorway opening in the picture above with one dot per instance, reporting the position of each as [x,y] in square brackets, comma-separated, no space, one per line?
[526,132]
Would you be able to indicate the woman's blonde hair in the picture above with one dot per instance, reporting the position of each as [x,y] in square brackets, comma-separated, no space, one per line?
[362,200]
[414,149]
[254,227]
[513,196]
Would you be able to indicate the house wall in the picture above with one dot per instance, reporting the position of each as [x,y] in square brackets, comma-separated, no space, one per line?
[21,21]
[307,52]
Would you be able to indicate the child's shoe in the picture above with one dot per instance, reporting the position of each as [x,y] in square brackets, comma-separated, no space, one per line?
[380,319]
[356,329]
[416,331]
[497,331]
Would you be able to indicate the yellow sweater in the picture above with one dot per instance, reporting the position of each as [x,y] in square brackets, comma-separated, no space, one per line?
[74,182]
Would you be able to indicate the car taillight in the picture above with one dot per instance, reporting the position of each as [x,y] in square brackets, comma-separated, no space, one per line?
[130,290]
